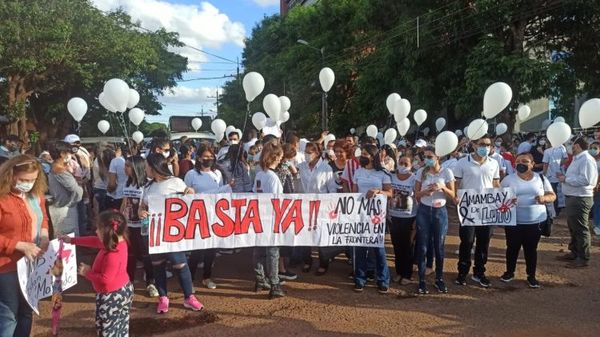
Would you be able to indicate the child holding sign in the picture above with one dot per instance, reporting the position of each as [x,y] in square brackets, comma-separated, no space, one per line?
[108,274]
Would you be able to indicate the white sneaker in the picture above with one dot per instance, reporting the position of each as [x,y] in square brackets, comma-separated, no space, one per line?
[152,291]
[169,274]
[208,283]
[597,231]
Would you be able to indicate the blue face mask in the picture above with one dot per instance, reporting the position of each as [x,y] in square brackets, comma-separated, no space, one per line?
[593,152]
[483,151]
[429,162]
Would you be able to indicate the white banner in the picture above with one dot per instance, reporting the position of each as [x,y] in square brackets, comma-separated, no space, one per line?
[184,223]
[487,207]
[37,278]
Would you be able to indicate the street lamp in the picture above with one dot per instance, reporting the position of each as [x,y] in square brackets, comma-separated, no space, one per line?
[324,120]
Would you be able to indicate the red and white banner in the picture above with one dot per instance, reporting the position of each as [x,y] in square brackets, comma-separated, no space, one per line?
[201,221]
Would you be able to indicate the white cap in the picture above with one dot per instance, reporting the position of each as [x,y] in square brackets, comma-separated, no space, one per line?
[421,143]
[72,139]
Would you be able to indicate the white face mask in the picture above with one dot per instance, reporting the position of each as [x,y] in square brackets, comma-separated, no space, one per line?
[68,158]
[24,187]
[570,149]
[403,170]
[331,154]
[234,142]
[166,154]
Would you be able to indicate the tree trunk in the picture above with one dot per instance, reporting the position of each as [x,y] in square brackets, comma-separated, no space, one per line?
[17,95]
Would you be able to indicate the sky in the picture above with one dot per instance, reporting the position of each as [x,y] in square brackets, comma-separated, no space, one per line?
[218,27]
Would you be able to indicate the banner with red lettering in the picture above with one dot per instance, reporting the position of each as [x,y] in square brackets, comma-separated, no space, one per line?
[201,221]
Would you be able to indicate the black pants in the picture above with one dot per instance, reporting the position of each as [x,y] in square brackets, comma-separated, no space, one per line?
[111,203]
[326,254]
[555,189]
[402,240]
[205,255]
[526,236]
[138,251]
[468,235]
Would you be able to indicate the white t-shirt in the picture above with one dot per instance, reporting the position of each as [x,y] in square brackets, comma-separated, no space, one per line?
[528,209]
[403,203]
[438,198]
[134,196]
[300,158]
[172,185]
[99,183]
[368,179]
[474,175]
[450,163]
[501,162]
[267,182]
[117,166]
[206,182]
[318,180]
[553,157]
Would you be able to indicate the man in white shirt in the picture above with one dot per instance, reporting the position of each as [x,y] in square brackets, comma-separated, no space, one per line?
[554,158]
[117,177]
[476,171]
[233,138]
[578,187]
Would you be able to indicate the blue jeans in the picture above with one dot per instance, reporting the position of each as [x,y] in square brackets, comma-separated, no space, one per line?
[596,210]
[160,272]
[361,257]
[431,223]
[15,313]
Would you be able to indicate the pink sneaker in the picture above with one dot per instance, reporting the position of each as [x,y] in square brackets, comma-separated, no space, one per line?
[163,305]
[193,303]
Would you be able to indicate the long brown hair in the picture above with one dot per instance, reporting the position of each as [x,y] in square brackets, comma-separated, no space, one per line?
[22,164]
[269,154]
[110,225]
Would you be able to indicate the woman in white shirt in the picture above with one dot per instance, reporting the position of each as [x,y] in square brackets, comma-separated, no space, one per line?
[267,181]
[433,186]
[164,183]
[205,178]
[371,179]
[533,193]
[403,211]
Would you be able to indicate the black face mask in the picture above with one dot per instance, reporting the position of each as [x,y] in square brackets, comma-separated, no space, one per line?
[364,161]
[522,168]
[207,163]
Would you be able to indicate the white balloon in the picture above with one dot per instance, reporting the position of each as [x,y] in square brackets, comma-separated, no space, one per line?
[271,128]
[445,143]
[403,126]
[136,116]
[372,131]
[77,107]
[286,104]
[105,104]
[559,119]
[117,94]
[426,131]
[501,129]
[326,78]
[477,129]
[285,117]
[218,127]
[458,133]
[253,84]
[524,112]
[196,123]
[589,113]
[134,98]
[420,116]
[466,131]
[259,120]
[352,130]
[103,126]
[272,106]
[558,133]
[496,98]
[219,137]
[390,136]
[401,108]
[137,137]
[390,101]
[440,123]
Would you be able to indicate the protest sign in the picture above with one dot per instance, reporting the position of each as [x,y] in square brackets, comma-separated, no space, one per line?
[202,221]
[487,207]
[37,278]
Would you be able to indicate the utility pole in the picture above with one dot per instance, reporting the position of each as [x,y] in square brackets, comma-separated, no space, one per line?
[217,98]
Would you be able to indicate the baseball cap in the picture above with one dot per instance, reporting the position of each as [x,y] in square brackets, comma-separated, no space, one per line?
[421,143]
[70,139]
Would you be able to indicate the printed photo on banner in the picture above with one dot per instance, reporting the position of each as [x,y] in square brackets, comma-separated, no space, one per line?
[183,223]
[487,207]
[37,278]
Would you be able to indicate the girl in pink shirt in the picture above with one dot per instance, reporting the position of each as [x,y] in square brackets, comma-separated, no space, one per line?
[108,274]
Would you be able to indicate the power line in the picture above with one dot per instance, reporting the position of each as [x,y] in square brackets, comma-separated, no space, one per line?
[207,78]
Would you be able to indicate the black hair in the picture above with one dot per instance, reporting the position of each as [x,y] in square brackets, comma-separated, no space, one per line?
[159,143]
[183,150]
[368,140]
[390,152]
[269,138]
[158,164]
[138,164]
[583,144]
[59,148]
[249,134]
[204,147]
[111,224]
[373,151]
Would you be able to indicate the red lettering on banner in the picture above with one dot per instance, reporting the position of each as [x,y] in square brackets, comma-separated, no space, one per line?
[279,211]
[172,217]
[293,215]
[226,227]
[314,206]
[251,217]
[197,218]
[237,204]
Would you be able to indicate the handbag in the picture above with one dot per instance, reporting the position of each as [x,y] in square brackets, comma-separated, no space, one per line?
[546,226]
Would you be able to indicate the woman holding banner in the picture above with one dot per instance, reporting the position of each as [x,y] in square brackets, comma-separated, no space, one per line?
[533,192]
[206,178]
[23,232]
[433,185]
[371,179]
[164,183]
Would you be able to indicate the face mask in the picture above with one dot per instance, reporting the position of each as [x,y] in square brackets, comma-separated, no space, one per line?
[542,142]
[429,162]
[364,161]
[68,158]
[309,157]
[403,170]
[533,142]
[570,149]
[522,168]
[483,151]
[234,142]
[74,149]
[207,163]
[593,152]
[250,157]
[166,154]
[24,187]
[498,144]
